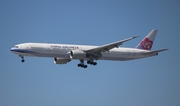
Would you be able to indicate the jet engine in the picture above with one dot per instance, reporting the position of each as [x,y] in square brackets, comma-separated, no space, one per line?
[77,54]
[61,60]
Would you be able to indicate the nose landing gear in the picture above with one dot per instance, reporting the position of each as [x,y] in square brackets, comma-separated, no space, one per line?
[22,58]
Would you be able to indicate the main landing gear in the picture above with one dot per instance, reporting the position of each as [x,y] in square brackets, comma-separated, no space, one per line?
[22,58]
[92,63]
[82,65]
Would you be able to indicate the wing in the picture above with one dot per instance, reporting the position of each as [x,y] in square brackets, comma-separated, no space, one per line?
[108,47]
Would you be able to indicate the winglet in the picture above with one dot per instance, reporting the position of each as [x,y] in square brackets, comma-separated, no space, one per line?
[135,37]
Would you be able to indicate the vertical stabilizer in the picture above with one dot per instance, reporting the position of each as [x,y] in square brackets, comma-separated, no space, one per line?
[147,42]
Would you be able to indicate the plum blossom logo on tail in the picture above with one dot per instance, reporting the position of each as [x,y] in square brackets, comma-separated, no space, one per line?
[147,44]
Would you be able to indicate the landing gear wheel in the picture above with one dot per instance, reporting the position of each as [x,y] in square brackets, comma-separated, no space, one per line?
[91,62]
[85,66]
[79,65]
[94,63]
[22,60]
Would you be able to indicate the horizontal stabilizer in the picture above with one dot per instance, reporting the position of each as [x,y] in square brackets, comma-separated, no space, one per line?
[154,52]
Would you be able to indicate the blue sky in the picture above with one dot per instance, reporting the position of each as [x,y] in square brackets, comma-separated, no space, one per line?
[152,81]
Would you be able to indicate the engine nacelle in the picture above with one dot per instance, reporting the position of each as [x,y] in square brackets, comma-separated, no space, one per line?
[61,60]
[77,54]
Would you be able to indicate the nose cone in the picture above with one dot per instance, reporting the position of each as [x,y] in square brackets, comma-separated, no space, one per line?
[13,50]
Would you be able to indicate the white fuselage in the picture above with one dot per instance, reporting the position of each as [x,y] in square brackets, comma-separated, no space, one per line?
[63,51]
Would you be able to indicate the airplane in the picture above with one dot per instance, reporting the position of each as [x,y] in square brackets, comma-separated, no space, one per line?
[64,53]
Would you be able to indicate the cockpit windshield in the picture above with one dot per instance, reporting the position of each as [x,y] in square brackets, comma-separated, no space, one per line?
[15,46]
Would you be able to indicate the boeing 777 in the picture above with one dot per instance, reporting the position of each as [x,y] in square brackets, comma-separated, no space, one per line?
[64,53]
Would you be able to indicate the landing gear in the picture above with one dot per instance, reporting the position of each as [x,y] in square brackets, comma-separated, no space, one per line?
[22,58]
[82,65]
[91,62]
[22,61]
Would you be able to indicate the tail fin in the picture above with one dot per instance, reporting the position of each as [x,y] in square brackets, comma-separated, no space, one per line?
[147,42]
